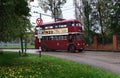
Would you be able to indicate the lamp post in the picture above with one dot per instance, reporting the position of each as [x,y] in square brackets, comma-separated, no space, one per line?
[39,37]
[88,21]
[89,30]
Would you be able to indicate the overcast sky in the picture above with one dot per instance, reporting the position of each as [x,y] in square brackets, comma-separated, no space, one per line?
[67,9]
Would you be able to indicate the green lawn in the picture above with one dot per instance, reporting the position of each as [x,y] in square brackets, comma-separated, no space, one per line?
[32,66]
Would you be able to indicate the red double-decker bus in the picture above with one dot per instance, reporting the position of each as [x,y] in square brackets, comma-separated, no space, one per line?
[61,35]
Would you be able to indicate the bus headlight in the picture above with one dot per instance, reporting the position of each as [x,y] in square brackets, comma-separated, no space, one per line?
[78,44]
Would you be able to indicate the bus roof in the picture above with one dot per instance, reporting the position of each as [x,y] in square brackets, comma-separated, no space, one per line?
[60,21]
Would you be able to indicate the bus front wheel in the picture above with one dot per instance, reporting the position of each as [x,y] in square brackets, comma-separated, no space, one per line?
[71,48]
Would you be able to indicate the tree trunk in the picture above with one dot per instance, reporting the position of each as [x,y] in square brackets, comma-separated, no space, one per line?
[100,18]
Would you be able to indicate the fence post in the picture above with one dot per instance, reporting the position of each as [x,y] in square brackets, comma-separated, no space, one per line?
[114,42]
[95,42]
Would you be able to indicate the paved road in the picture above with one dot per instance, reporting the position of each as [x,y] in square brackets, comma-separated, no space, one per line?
[109,61]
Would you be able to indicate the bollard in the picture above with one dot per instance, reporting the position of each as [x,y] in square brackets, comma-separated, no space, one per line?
[40,51]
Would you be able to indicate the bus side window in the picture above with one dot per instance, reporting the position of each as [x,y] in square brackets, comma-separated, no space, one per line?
[47,38]
[64,37]
[55,26]
[46,27]
[52,38]
[57,37]
[70,24]
[61,25]
[44,38]
[70,38]
[51,27]
[74,37]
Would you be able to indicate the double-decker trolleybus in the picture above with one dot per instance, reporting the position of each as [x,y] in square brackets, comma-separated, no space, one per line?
[61,35]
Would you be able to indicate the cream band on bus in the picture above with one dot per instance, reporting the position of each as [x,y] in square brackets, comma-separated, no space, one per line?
[55,31]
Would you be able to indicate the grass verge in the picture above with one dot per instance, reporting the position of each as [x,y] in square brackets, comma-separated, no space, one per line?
[32,66]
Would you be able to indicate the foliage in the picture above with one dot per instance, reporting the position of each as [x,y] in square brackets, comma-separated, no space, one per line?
[107,40]
[86,19]
[79,11]
[115,17]
[33,66]
[108,20]
[11,18]
[102,13]
[54,6]
[102,17]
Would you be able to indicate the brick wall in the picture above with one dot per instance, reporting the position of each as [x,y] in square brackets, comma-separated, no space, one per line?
[113,47]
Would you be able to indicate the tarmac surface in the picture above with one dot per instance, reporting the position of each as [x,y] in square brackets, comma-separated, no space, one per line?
[109,61]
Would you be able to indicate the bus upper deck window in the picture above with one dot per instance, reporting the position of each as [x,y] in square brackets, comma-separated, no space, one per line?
[70,24]
[78,24]
[46,27]
[51,26]
[56,26]
[64,25]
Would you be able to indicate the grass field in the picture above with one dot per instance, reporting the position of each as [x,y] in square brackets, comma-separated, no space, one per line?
[32,66]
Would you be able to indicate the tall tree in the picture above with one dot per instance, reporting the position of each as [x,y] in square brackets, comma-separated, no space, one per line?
[6,15]
[101,16]
[54,6]
[87,22]
[79,13]
[11,18]
[114,14]
[82,12]
[107,19]
[102,11]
